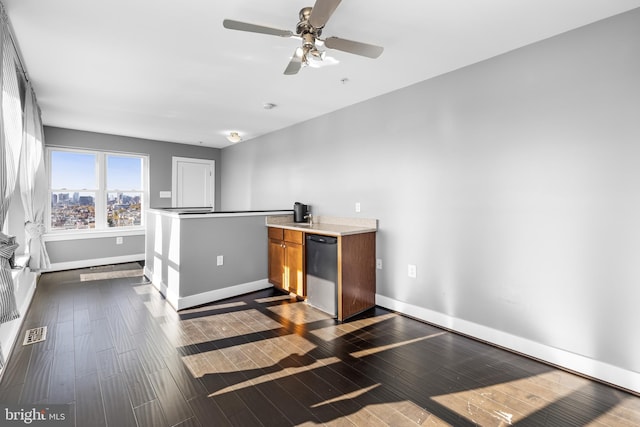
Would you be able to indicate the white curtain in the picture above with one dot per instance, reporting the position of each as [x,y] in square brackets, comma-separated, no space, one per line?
[33,184]
[10,147]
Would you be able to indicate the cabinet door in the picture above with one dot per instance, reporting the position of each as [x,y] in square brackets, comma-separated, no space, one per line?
[277,263]
[294,267]
[293,236]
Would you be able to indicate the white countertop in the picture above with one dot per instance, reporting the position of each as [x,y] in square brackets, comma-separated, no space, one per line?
[328,226]
[192,213]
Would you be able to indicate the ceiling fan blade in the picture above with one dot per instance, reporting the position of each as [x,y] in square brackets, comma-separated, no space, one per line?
[357,48]
[295,64]
[253,28]
[322,11]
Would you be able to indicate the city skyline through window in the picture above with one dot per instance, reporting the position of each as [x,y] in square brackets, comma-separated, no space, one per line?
[95,190]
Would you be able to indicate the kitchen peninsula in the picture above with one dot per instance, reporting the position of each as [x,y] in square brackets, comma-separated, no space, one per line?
[196,256]
[355,263]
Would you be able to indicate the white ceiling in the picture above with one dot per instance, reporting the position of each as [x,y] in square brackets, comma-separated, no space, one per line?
[169,71]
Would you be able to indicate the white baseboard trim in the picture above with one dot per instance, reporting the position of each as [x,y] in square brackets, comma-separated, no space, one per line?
[180,303]
[169,293]
[85,263]
[219,294]
[574,362]
[149,275]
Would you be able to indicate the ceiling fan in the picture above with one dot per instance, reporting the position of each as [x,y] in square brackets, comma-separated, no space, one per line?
[312,21]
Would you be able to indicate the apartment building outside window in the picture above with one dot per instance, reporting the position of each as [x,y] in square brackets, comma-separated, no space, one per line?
[96,190]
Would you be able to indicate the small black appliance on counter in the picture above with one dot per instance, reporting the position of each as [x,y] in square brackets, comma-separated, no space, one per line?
[301,212]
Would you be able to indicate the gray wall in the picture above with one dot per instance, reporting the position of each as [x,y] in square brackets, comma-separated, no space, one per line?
[513,185]
[189,246]
[243,243]
[100,250]
[160,157]
[160,154]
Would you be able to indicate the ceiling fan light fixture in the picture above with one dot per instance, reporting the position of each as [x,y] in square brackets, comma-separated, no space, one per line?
[317,54]
[309,30]
[234,137]
[311,56]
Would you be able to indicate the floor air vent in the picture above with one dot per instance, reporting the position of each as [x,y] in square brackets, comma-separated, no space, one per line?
[35,335]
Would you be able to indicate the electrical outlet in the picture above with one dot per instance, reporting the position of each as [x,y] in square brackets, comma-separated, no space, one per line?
[379,264]
[357,206]
[220,260]
[412,271]
[119,240]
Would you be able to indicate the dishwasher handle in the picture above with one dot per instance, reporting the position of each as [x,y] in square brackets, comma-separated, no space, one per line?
[317,238]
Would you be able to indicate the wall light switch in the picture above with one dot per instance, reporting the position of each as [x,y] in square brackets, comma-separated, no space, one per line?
[119,240]
[220,260]
[412,271]
[357,206]
[379,264]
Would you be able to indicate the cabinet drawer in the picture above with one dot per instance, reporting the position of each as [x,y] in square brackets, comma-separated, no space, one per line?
[276,233]
[293,236]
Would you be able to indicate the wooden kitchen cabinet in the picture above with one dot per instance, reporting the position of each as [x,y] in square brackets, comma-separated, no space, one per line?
[286,260]
[356,274]
[276,262]
[356,286]
[356,260]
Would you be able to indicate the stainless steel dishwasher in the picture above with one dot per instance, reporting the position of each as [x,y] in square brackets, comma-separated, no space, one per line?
[322,273]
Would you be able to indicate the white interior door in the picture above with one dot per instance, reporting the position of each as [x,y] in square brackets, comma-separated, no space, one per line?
[193,183]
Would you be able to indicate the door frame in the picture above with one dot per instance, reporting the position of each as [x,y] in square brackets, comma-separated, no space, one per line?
[174,177]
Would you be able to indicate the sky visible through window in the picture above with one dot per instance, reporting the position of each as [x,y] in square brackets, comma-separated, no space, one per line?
[78,171]
[73,170]
[124,173]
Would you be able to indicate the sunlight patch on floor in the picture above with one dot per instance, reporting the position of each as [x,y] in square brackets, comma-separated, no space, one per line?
[277,374]
[212,307]
[219,326]
[492,405]
[299,314]
[283,352]
[274,299]
[144,289]
[335,331]
[116,274]
[156,308]
[404,412]
[620,415]
[346,396]
[374,350]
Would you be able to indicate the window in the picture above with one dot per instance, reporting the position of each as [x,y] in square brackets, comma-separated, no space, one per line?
[93,190]
[124,190]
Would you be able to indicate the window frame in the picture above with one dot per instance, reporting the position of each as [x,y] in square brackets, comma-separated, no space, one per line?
[101,192]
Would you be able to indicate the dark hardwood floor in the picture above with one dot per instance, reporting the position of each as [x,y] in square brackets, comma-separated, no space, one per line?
[119,355]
